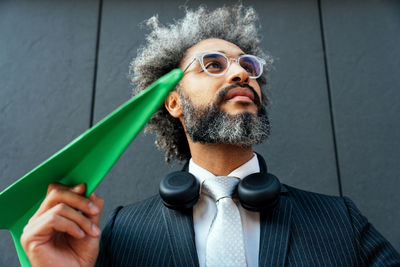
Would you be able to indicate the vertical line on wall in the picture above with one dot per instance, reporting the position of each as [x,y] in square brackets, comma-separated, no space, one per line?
[96,63]
[323,39]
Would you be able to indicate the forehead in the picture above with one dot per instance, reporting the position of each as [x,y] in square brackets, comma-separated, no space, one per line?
[213,44]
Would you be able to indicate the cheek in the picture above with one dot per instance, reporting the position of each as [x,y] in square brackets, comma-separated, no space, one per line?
[201,90]
[256,88]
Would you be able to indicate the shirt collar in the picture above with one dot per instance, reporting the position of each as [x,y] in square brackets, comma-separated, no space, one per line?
[251,166]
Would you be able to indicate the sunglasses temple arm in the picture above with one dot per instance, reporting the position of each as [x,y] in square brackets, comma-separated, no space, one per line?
[189,65]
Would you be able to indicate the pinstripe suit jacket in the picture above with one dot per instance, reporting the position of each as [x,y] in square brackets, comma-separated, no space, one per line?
[305,229]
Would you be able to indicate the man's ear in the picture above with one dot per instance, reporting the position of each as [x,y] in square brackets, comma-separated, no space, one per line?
[173,105]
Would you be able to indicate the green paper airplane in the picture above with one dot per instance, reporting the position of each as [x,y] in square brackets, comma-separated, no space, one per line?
[87,159]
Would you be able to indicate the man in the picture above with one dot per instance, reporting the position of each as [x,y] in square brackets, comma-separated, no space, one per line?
[212,120]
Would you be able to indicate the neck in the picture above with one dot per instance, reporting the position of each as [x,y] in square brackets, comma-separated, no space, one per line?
[220,159]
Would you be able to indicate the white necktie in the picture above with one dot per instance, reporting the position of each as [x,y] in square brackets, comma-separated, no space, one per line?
[225,244]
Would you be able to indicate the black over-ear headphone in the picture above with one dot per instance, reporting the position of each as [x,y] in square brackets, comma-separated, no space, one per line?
[259,191]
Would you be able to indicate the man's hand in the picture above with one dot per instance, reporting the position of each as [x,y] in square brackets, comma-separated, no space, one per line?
[65,229]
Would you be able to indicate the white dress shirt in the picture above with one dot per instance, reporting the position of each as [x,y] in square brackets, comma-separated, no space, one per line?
[205,209]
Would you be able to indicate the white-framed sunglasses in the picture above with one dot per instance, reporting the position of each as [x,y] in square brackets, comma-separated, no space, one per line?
[217,63]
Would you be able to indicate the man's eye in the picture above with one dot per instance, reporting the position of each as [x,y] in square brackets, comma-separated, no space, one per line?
[213,65]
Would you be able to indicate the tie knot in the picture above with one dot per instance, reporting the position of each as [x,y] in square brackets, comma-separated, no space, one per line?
[220,186]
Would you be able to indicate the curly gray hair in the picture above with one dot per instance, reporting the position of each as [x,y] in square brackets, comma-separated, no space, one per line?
[166,47]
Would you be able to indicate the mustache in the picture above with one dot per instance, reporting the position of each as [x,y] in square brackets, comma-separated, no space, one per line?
[222,93]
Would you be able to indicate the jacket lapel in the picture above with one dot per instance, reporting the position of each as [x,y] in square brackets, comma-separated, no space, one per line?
[181,237]
[275,232]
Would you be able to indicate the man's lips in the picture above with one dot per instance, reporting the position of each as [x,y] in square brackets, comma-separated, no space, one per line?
[240,94]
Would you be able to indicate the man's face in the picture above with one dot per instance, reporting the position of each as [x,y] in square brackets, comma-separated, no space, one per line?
[203,89]
[225,109]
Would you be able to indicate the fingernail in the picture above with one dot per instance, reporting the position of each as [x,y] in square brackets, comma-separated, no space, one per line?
[95,229]
[93,207]
[81,233]
[93,196]
[77,188]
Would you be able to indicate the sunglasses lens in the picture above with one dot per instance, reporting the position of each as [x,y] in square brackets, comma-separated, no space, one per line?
[215,63]
[251,65]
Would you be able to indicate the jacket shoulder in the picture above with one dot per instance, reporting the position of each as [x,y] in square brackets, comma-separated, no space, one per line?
[141,217]
[336,220]
[142,208]
[319,210]
[302,197]
[135,235]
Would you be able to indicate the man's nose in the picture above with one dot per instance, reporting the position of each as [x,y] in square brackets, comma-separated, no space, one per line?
[237,74]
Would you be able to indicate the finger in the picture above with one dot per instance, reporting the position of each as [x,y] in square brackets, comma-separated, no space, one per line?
[50,188]
[78,189]
[57,219]
[78,218]
[72,199]
[99,202]
[42,229]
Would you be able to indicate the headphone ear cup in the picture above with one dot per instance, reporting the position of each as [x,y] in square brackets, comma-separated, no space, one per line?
[179,190]
[259,191]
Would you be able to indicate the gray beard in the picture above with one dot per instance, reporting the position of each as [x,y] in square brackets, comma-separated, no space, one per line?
[212,125]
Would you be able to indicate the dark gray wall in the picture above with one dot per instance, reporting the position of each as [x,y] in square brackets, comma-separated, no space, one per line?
[47,55]
[334,90]
[363,58]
